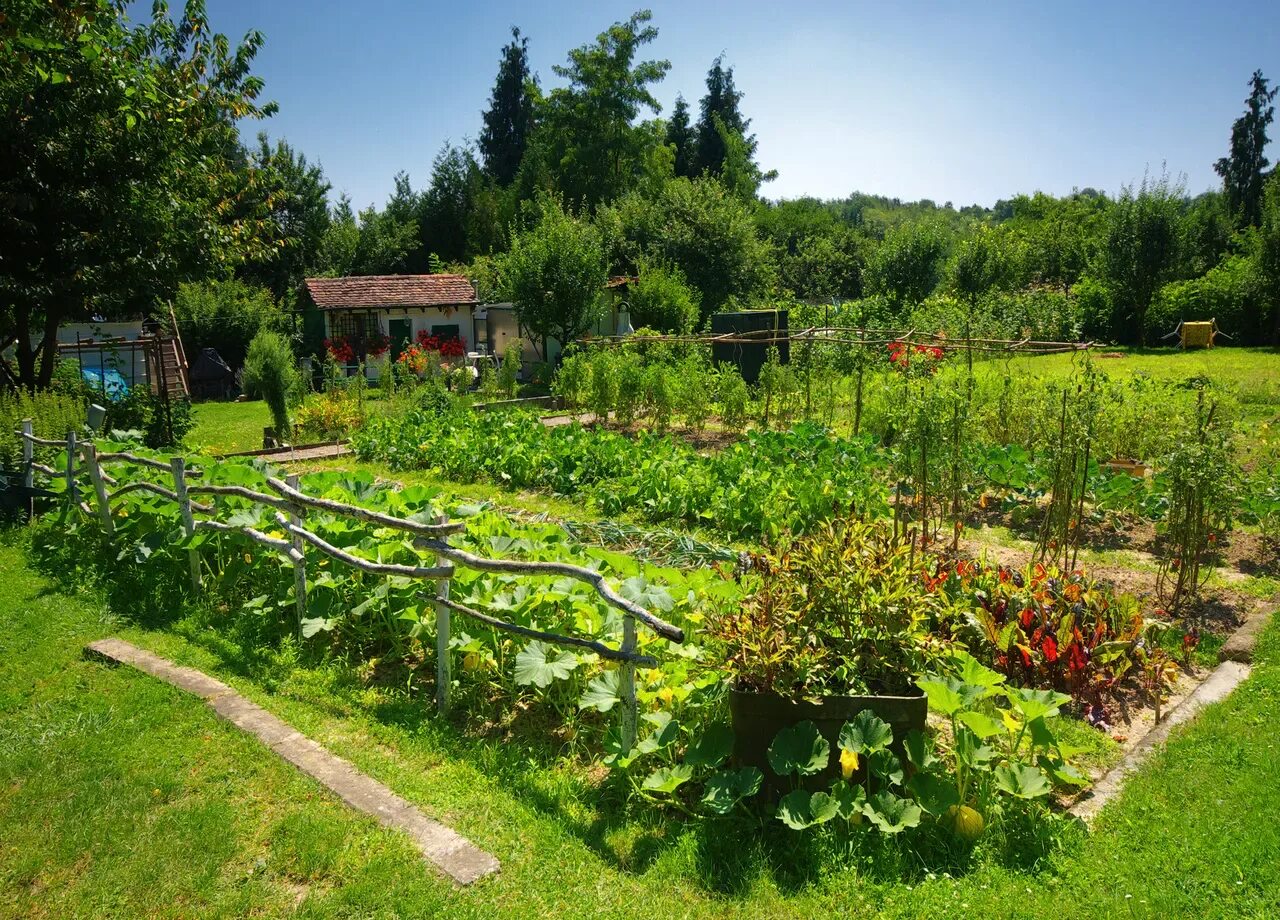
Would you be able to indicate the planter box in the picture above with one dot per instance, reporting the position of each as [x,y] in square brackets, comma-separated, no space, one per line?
[758,717]
[1135,468]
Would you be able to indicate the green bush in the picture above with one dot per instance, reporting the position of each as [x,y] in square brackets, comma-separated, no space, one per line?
[662,300]
[509,373]
[271,374]
[226,315]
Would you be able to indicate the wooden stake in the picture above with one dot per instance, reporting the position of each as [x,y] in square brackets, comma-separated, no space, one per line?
[90,454]
[179,468]
[627,685]
[299,563]
[444,669]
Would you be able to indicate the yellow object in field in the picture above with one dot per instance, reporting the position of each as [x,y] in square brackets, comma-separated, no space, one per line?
[1198,335]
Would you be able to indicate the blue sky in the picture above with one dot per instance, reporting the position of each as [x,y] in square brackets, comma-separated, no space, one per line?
[963,102]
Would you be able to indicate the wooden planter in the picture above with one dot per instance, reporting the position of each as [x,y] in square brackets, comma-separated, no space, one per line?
[758,717]
[1133,467]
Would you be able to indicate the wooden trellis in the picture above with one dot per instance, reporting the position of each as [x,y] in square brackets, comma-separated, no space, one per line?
[291,505]
[852,335]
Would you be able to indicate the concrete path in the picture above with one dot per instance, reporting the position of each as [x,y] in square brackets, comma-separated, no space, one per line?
[452,854]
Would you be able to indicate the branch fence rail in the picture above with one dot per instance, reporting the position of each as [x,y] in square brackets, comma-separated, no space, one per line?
[291,505]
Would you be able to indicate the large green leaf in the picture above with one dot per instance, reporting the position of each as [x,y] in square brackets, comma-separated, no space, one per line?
[972,671]
[537,665]
[919,749]
[640,590]
[885,765]
[892,814]
[668,779]
[982,724]
[948,695]
[1021,780]
[865,733]
[800,809]
[1036,704]
[935,794]
[727,788]
[799,749]
[850,798]
[602,693]
[712,747]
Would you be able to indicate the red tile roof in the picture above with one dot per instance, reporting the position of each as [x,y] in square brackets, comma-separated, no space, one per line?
[390,291]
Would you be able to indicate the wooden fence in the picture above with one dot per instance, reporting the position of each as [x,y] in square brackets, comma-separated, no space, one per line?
[290,506]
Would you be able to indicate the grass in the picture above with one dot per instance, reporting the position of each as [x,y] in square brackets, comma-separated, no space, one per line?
[228,427]
[120,796]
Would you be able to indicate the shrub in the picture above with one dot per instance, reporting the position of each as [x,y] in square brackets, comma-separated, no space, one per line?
[840,612]
[574,379]
[509,372]
[226,315]
[270,373]
[661,300]
[52,415]
[328,416]
[734,397]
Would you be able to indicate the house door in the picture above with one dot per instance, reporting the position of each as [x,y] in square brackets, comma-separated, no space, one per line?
[399,331]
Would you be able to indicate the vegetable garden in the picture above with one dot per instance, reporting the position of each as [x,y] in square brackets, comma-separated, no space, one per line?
[855,581]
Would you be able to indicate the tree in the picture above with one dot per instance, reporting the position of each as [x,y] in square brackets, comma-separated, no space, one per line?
[295,198]
[122,170]
[681,138]
[826,265]
[271,374]
[1243,168]
[1139,253]
[225,315]
[554,275]
[508,122]
[981,264]
[907,265]
[341,239]
[447,205]
[1268,251]
[719,113]
[698,227]
[593,148]
[660,299]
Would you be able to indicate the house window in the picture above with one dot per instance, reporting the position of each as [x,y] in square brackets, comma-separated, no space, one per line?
[446,331]
[354,327]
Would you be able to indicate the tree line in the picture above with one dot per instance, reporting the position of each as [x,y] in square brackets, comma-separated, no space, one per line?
[126,184]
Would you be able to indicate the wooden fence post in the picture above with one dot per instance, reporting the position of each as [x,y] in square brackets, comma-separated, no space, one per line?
[71,468]
[300,564]
[444,671]
[90,454]
[179,468]
[28,455]
[627,684]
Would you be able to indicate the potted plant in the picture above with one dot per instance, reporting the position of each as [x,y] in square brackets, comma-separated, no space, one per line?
[838,623]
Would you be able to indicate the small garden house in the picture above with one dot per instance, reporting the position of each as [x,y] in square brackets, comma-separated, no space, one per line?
[370,316]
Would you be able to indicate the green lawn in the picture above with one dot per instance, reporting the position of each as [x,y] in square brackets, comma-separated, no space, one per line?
[120,796]
[228,427]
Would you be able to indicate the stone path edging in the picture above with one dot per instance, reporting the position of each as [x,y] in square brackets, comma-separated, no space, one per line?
[451,853]
[1236,657]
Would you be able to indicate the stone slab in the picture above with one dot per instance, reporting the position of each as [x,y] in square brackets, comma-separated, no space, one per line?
[451,853]
[1239,647]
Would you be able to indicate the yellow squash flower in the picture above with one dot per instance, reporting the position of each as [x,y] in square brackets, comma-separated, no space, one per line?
[848,763]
